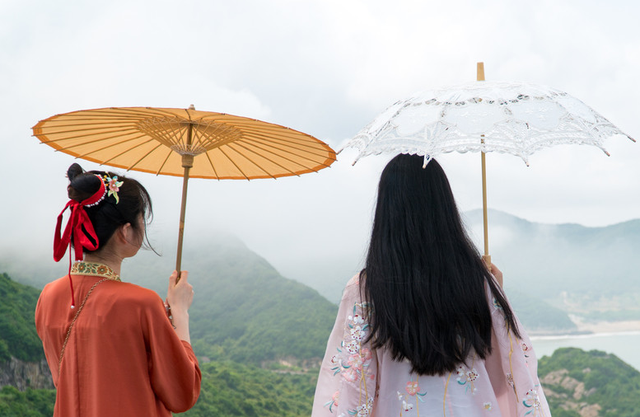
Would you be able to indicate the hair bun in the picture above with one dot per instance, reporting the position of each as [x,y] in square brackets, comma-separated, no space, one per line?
[73,171]
[82,185]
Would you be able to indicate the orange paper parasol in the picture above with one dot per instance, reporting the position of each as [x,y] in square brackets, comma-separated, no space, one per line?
[184,143]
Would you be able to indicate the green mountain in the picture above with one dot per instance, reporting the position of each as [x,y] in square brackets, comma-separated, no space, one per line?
[539,317]
[243,309]
[233,389]
[18,337]
[28,403]
[594,383]
[228,389]
[246,318]
[550,270]
[576,383]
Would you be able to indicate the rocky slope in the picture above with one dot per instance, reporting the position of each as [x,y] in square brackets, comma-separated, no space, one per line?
[23,375]
[589,384]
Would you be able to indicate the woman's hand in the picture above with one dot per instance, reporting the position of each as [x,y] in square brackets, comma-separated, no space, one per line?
[179,299]
[496,273]
[180,293]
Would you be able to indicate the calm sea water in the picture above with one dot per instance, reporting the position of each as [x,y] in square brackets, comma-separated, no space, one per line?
[623,345]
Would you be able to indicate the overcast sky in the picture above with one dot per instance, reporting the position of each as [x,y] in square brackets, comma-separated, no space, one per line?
[326,68]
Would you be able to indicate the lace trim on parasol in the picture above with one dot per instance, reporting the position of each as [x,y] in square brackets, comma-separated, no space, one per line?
[520,125]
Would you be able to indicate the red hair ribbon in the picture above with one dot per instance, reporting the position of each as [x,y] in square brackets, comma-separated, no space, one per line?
[80,227]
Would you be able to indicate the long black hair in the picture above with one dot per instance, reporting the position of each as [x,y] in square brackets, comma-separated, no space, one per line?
[423,275]
[108,215]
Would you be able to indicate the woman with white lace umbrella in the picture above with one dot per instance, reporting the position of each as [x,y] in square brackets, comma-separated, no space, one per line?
[505,117]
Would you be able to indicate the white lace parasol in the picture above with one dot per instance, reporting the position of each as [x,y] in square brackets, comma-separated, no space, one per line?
[505,117]
[483,116]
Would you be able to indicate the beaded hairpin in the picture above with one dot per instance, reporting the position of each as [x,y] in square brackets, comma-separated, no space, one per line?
[104,194]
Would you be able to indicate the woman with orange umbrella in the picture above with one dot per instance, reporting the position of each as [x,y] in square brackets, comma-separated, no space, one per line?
[113,347]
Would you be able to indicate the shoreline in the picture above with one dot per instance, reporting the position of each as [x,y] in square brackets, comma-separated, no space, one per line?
[609,326]
[619,338]
[591,329]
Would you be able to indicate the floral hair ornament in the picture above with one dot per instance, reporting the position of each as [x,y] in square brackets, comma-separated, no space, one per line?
[79,227]
[114,186]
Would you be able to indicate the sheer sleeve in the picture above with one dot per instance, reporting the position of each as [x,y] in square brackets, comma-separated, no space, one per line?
[348,374]
[513,369]
[173,368]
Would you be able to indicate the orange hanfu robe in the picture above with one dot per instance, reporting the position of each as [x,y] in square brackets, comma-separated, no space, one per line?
[122,358]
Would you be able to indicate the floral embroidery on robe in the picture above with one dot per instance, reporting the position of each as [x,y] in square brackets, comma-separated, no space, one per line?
[358,381]
[352,361]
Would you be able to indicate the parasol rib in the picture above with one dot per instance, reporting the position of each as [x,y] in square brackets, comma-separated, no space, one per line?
[158,172]
[126,151]
[262,156]
[234,164]
[307,150]
[282,156]
[212,166]
[247,158]
[143,157]
[87,135]
[111,145]
[89,153]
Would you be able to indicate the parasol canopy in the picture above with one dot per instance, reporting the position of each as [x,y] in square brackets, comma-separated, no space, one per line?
[184,143]
[155,140]
[483,116]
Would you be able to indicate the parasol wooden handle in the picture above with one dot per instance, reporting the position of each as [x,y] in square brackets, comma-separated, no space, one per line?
[485,214]
[187,164]
[183,209]
[485,218]
[487,261]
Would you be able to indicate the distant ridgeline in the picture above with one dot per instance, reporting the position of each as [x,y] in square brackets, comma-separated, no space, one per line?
[260,336]
[550,271]
[593,272]
[243,309]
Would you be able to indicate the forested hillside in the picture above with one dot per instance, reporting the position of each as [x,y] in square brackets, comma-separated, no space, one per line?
[18,337]
[243,309]
[237,295]
[235,389]
[258,334]
[589,384]
[539,317]
[245,317]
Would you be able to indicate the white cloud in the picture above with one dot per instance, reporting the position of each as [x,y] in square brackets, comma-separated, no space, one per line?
[326,68]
